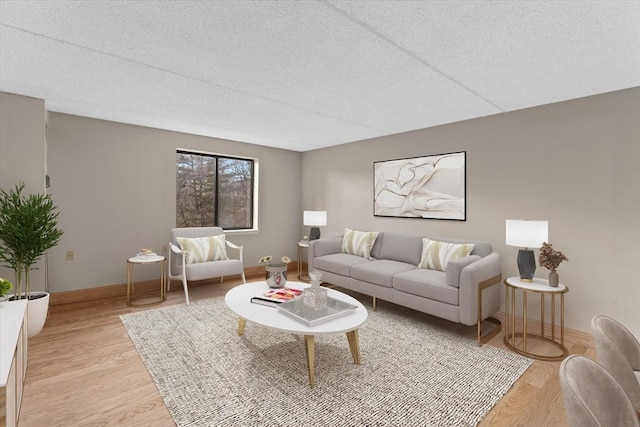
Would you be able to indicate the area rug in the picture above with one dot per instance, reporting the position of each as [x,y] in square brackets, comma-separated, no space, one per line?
[411,373]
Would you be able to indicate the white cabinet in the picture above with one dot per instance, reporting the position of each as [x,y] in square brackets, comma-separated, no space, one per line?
[13,359]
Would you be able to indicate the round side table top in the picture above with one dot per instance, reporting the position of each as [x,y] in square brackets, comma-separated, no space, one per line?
[536,285]
[145,259]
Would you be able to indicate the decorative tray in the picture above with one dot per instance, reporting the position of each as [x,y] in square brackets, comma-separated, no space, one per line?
[310,316]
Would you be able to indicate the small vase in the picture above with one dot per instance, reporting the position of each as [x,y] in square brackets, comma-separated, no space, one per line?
[553,279]
[276,275]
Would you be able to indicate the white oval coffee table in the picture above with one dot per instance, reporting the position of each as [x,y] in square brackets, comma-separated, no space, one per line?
[238,300]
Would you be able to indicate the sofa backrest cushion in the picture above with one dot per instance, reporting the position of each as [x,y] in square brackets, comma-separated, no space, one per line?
[480,248]
[437,254]
[408,248]
[358,243]
[398,247]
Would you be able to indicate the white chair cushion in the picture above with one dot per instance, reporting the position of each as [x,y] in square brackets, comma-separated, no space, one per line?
[204,249]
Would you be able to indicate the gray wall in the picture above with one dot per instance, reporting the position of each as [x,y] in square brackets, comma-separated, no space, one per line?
[115,185]
[575,164]
[22,158]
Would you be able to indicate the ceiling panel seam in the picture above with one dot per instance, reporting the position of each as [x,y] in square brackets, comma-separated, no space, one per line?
[175,73]
[413,55]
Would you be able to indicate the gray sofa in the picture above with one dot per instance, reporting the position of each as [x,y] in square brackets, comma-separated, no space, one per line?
[393,275]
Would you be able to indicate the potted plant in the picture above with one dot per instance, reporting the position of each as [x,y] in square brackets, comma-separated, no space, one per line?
[28,228]
[550,259]
[5,287]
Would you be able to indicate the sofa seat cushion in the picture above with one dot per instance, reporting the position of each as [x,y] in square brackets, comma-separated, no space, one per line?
[380,272]
[338,263]
[426,283]
[207,270]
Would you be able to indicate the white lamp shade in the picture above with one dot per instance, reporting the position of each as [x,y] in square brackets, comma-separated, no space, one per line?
[315,218]
[526,233]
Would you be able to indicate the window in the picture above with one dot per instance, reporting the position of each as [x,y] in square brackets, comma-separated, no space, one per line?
[214,190]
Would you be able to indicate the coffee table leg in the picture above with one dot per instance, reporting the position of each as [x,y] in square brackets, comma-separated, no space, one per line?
[309,346]
[241,324]
[354,345]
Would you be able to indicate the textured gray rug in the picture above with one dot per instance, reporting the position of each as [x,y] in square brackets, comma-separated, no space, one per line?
[412,374]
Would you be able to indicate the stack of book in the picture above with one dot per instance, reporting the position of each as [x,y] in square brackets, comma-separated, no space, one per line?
[274,297]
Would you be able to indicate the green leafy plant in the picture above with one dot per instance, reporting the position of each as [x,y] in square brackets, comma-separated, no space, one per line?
[28,228]
[5,286]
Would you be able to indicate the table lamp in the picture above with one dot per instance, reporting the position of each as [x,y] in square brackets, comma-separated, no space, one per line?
[526,234]
[314,219]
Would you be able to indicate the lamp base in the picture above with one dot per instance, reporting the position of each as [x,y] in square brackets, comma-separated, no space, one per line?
[314,233]
[526,264]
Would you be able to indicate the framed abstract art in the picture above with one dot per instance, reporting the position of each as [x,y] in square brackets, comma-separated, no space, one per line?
[432,187]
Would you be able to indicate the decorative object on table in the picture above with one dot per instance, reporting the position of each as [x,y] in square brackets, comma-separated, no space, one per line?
[276,274]
[431,187]
[275,297]
[146,252]
[315,296]
[311,316]
[5,287]
[28,229]
[314,219]
[551,259]
[526,234]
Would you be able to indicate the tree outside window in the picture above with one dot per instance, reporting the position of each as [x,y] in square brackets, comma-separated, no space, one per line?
[214,190]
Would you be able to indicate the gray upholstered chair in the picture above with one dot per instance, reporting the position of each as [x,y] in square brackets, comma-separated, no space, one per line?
[180,268]
[592,397]
[619,352]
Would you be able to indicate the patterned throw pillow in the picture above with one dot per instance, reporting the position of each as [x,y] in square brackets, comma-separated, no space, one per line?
[202,249]
[436,255]
[358,242]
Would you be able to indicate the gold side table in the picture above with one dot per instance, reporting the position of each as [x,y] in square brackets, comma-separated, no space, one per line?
[302,244]
[539,286]
[146,259]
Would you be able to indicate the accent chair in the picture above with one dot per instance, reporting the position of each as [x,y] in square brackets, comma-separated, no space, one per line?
[200,254]
[592,396]
[619,352]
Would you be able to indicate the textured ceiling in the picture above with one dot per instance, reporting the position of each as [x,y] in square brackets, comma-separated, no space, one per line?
[302,75]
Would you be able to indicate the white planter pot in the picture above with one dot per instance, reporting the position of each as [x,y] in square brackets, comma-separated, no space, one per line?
[37,310]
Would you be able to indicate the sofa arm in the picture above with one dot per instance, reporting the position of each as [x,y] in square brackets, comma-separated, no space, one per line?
[240,249]
[324,246]
[455,267]
[485,271]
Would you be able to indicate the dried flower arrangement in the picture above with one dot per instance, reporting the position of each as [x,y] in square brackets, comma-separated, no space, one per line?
[549,258]
[267,260]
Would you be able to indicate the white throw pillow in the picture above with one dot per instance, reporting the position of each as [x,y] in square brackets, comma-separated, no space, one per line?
[203,249]
[436,255]
[358,242]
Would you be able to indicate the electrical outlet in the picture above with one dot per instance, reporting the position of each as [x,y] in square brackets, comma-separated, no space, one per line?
[164,249]
[69,255]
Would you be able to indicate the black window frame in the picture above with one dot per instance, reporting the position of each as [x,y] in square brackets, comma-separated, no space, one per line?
[252,206]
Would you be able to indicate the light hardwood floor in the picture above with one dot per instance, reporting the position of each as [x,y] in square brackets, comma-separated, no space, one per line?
[84,371]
